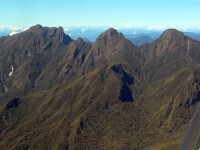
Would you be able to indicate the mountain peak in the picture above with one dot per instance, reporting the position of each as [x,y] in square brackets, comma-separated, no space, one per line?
[38,29]
[111,47]
[109,38]
[169,41]
[172,34]
[111,32]
[51,32]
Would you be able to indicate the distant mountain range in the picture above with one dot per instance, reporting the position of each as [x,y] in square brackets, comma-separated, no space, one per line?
[138,36]
[60,93]
[140,39]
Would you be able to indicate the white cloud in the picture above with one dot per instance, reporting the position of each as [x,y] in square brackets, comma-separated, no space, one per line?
[66,29]
[2,27]
[122,27]
[189,28]
[14,28]
[25,28]
[159,28]
[13,32]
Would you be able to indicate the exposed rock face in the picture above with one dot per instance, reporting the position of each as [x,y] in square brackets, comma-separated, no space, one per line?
[56,33]
[111,48]
[170,41]
[106,44]
[28,53]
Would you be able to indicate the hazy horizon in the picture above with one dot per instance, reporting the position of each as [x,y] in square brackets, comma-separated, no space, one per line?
[131,17]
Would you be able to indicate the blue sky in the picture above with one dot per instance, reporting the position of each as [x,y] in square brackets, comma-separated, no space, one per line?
[137,13]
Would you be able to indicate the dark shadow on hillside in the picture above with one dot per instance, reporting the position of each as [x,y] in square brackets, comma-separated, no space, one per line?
[126,82]
[12,103]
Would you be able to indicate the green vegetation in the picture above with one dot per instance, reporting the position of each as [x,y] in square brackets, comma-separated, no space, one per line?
[69,92]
